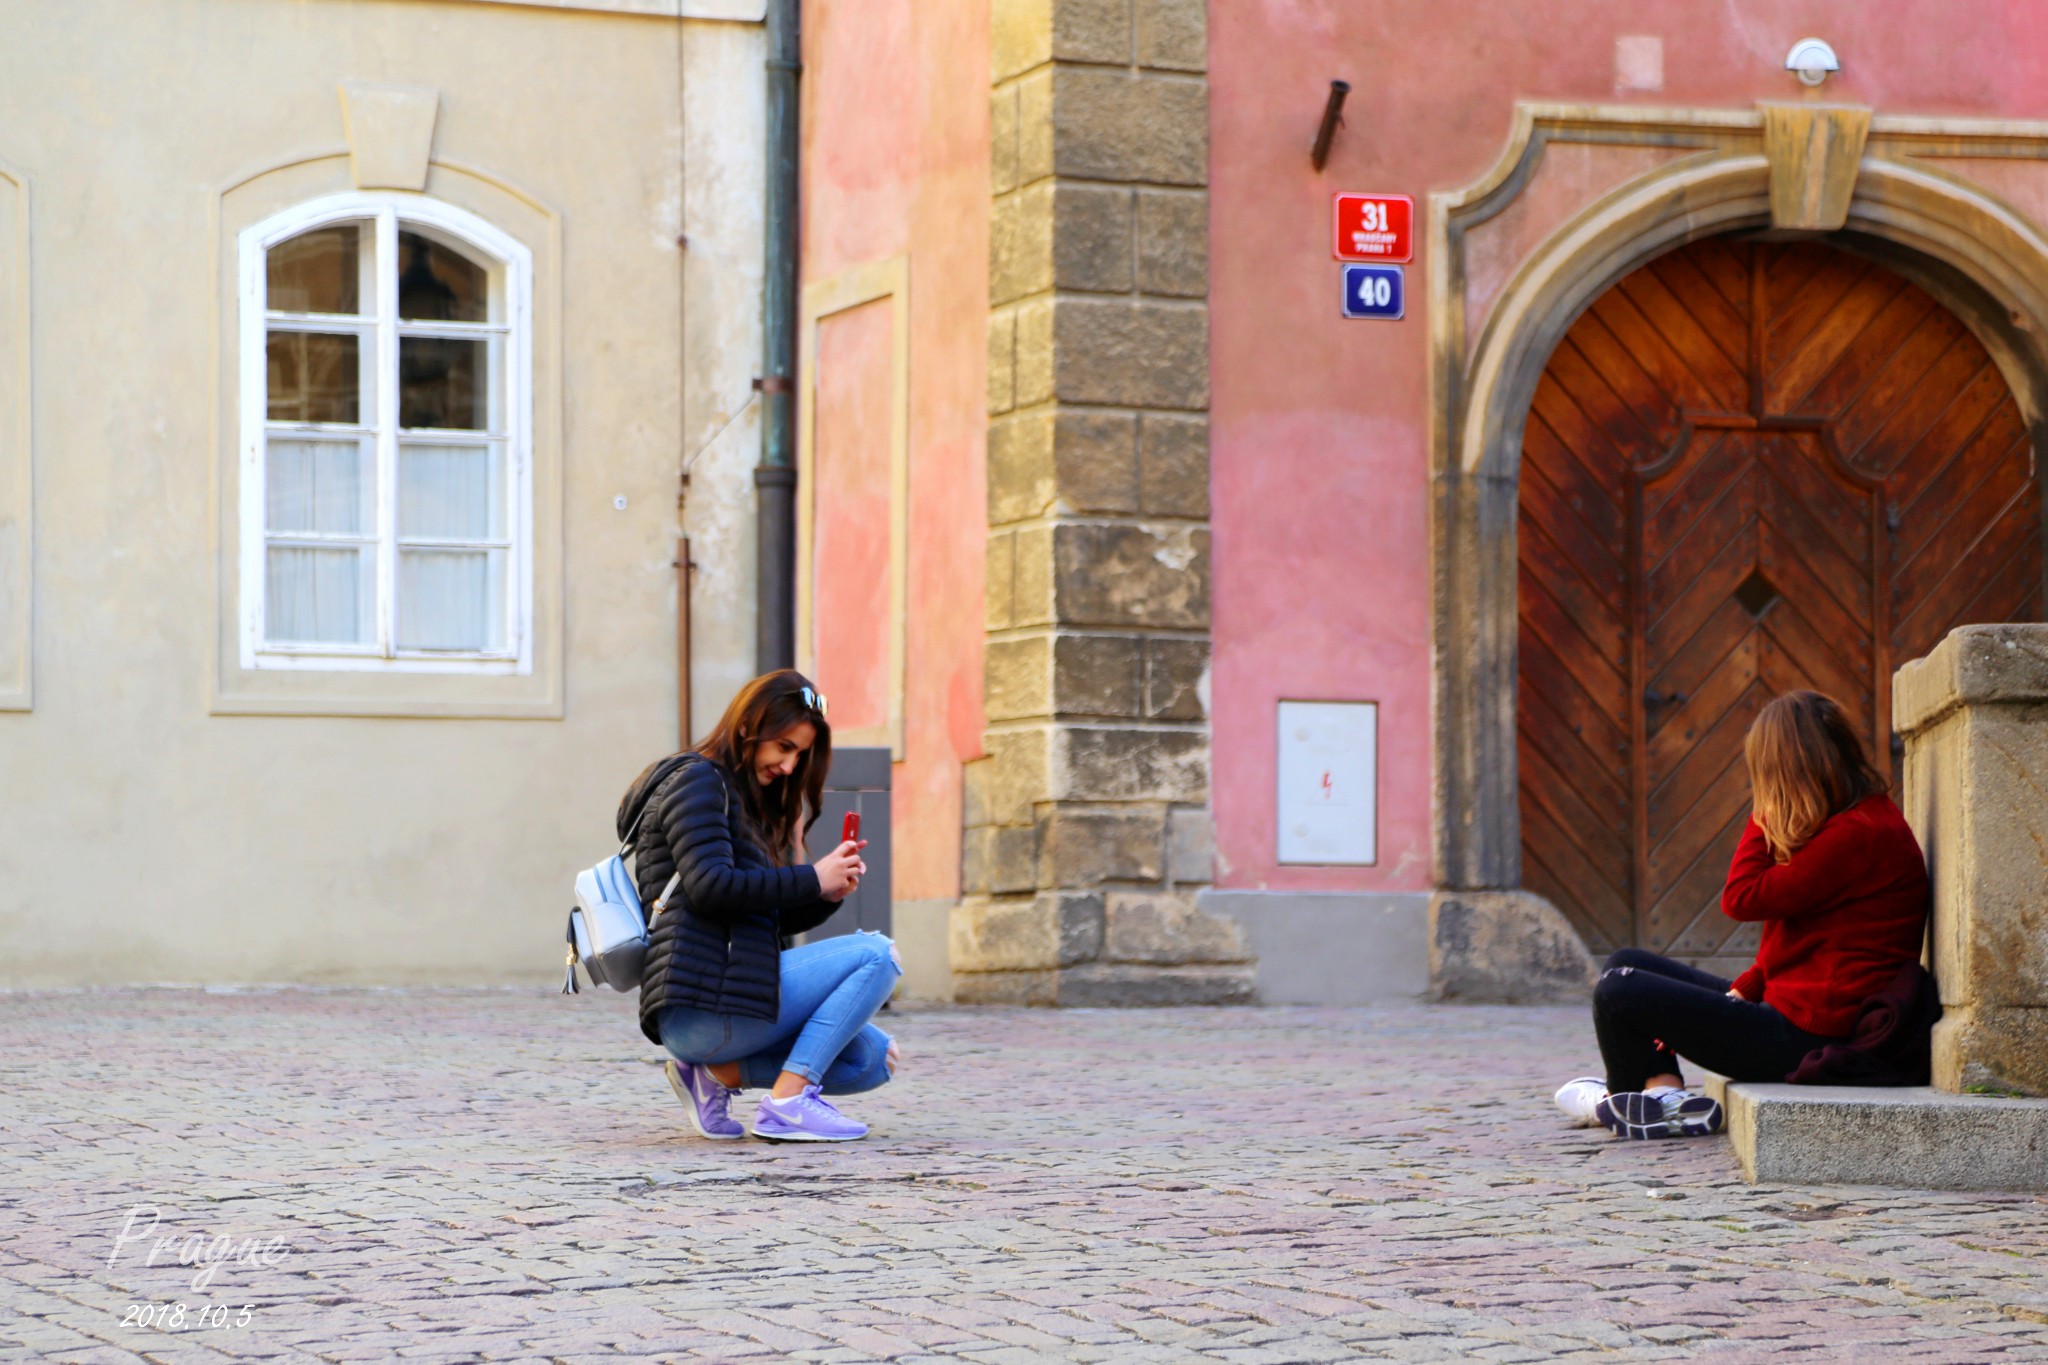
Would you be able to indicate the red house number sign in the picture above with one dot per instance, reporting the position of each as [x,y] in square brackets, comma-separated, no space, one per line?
[1375,227]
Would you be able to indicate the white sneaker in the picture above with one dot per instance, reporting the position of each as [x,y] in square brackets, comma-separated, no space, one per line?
[1579,1100]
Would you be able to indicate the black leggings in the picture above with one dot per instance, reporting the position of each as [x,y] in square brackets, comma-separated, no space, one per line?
[1647,1009]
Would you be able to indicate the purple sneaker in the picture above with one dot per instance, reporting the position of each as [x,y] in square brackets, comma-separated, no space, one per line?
[706,1100]
[808,1117]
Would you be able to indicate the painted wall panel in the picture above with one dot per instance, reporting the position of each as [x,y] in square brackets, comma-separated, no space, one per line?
[895,164]
[850,495]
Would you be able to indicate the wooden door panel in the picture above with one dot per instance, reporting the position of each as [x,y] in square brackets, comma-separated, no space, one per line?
[1599,828]
[1802,483]
[1590,611]
[1894,410]
[1922,499]
[1625,427]
[1980,401]
[1720,800]
[1723,651]
[1710,467]
[1724,265]
[1698,597]
[1717,741]
[1788,568]
[1654,407]
[1727,528]
[1659,360]
[1806,653]
[1801,368]
[1716,369]
[1717,508]
[2006,537]
[1909,326]
[1709,695]
[1573,709]
[1604,912]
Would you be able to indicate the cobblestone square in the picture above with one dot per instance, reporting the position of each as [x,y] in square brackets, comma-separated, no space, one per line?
[495,1175]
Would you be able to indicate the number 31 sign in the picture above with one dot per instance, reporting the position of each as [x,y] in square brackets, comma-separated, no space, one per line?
[1375,227]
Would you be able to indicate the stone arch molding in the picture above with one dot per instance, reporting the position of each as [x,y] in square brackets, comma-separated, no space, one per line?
[1711,171]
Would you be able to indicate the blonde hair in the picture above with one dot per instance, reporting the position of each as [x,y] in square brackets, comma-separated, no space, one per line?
[1807,764]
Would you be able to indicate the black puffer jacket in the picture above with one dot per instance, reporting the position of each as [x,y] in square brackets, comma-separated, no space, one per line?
[718,945]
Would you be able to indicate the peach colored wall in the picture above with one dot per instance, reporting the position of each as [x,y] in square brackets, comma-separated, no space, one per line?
[895,162]
[1320,425]
[851,486]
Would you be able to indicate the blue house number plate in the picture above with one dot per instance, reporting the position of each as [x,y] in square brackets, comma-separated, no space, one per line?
[1373,291]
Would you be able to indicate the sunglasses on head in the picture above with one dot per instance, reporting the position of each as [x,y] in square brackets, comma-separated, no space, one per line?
[812,698]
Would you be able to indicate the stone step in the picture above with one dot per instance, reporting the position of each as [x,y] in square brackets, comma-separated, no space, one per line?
[1902,1138]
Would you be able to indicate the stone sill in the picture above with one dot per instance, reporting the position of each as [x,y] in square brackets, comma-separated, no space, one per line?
[1905,1138]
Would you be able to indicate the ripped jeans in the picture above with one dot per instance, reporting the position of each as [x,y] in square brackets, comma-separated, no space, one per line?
[830,990]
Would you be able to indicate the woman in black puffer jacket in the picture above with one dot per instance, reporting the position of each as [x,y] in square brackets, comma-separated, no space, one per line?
[733,1007]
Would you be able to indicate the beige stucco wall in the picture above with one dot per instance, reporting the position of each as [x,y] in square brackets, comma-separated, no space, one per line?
[146,832]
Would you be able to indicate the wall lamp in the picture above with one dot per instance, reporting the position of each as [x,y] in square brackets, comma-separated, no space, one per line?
[1333,114]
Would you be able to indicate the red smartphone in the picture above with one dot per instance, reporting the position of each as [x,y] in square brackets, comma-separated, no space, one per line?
[850,831]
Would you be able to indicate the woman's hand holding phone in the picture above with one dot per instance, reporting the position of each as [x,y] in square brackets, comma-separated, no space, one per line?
[840,871]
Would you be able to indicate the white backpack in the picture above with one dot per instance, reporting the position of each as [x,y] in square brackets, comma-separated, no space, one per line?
[607,931]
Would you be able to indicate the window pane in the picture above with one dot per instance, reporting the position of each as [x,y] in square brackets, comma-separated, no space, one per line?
[451,492]
[325,486]
[317,271]
[315,377]
[441,383]
[451,599]
[438,284]
[319,595]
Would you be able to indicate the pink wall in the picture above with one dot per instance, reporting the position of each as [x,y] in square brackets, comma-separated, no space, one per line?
[1320,425]
[855,387]
[895,163]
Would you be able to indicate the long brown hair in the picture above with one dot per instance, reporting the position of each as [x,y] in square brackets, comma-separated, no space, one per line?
[1807,764]
[771,705]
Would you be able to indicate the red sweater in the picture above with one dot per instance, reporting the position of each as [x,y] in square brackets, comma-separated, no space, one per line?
[1839,919]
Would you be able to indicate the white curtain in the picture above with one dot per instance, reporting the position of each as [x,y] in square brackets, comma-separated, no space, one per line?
[319,594]
[451,599]
[450,492]
[450,596]
[323,486]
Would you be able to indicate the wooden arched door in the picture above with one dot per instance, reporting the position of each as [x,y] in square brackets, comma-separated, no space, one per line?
[1749,467]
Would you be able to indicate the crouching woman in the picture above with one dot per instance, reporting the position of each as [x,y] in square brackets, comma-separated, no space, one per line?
[719,991]
[1830,868]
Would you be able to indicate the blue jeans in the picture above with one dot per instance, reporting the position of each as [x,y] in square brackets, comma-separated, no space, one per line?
[830,989]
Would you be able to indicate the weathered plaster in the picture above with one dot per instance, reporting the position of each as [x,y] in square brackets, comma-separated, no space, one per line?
[711,193]
[896,167]
[318,847]
[17,448]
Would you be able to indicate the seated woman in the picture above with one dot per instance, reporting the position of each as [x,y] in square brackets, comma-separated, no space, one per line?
[1829,866]
[718,990]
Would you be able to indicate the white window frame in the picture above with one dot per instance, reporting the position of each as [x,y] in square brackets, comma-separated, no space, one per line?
[510,266]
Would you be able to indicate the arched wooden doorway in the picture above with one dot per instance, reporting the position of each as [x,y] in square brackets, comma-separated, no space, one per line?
[1748,467]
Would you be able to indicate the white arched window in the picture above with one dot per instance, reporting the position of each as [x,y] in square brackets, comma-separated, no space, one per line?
[386,489]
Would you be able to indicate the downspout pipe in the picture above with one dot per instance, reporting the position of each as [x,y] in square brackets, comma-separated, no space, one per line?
[775,476]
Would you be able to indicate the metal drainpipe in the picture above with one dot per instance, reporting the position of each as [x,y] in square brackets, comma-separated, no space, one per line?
[775,476]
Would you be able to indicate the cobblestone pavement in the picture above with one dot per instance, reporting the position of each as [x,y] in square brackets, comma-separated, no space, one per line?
[455,1176]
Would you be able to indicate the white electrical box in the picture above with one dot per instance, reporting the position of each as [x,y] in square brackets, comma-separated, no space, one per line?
[1329,782]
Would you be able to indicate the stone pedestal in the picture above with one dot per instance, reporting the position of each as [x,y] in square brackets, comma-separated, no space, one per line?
[1974,714]
[1088,830]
